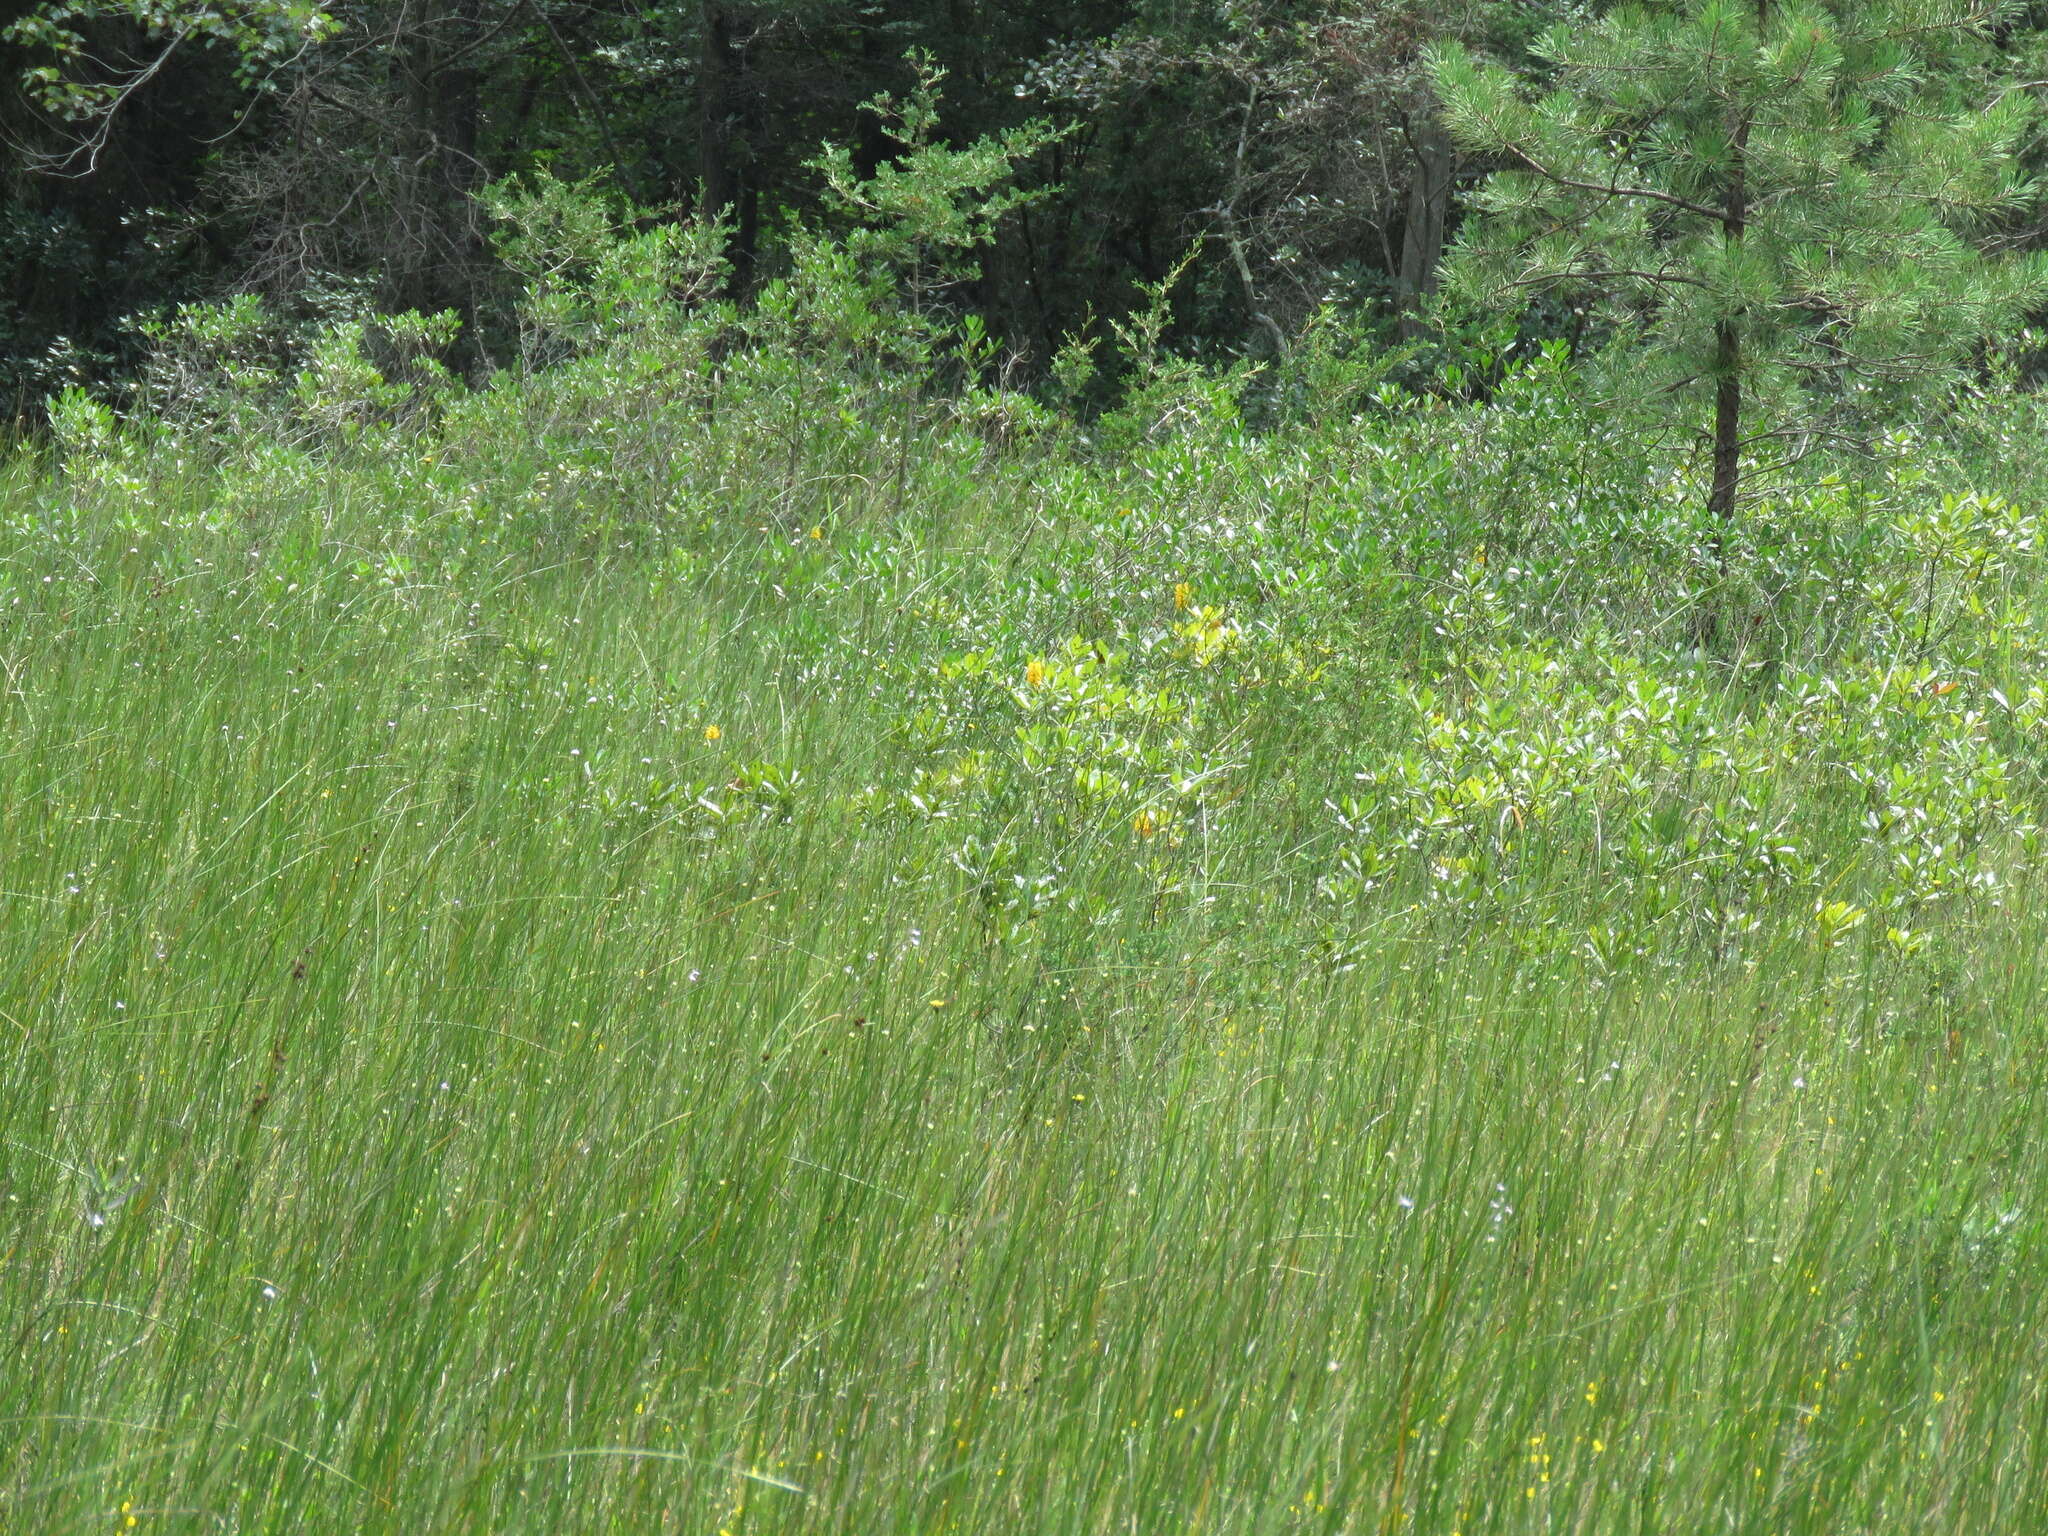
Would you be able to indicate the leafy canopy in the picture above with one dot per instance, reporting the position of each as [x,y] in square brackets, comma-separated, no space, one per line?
[71,82]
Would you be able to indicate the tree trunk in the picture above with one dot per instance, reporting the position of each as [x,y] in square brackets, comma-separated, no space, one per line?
[714,119]
[438,246]
[720,148]
[871,135]
[458,111]
[1727,476]
[1422,233]
[1727,426]
[1728,348]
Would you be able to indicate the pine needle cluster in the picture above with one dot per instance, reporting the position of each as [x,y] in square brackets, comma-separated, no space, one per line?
[1791,201]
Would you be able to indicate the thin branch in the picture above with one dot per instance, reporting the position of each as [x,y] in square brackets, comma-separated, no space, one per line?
[511,15]
[2017,85]
[1650,194]
[95,142]
[1601,276]
[604,131]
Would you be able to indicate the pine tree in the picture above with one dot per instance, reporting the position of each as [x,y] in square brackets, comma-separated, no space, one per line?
[1781,197]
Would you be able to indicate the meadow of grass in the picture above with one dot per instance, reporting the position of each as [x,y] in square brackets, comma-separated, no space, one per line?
[605,964]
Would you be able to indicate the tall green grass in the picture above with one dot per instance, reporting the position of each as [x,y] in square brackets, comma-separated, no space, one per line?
[533,1006]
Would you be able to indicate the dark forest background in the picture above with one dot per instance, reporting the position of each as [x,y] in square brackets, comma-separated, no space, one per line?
[328,158]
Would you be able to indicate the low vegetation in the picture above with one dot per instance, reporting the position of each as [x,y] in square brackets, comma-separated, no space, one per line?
[745,932]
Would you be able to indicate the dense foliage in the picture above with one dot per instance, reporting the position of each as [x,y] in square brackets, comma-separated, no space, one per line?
[329,153]
[916,815]
[744,928]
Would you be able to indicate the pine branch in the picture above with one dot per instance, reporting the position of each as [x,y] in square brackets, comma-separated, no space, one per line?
[1650,194]
[1607,275]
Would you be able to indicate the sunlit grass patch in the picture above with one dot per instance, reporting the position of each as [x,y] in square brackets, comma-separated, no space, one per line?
[1165,993]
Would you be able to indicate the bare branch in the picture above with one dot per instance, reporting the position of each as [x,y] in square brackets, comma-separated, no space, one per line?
[1648,194]
[1551,279]
[96,141]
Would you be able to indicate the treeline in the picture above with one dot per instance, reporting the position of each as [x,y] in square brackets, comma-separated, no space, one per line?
[326,154]
[330,155]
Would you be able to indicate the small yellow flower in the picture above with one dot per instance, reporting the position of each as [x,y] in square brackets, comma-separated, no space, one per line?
[818,532]
[1144,824]
[1034,674]
[1183,594]
[938,1002]
[712,733]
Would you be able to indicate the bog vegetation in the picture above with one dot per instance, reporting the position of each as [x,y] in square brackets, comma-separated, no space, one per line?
[746,928]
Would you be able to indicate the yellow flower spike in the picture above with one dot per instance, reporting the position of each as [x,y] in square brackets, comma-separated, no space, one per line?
[1183,594]
[1034,674]
[712,733]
